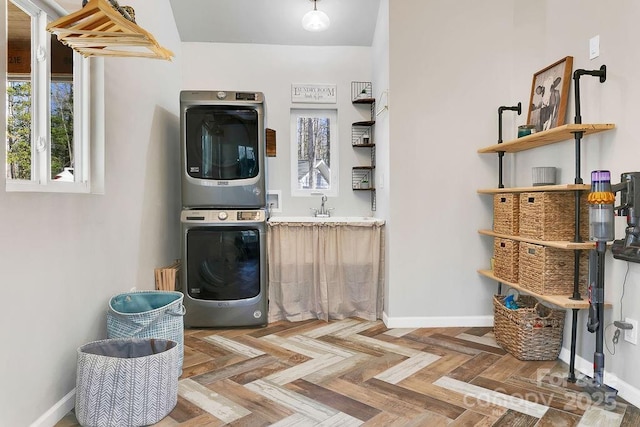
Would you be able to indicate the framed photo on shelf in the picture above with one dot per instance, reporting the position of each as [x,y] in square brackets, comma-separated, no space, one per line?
[550,94]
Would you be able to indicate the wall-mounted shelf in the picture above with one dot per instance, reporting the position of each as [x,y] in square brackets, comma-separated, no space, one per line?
[362,134]
[560,187]
[558,300]
[362,93]
[562,133]
[98,29]
[551,136]
[551,243]
[362,177]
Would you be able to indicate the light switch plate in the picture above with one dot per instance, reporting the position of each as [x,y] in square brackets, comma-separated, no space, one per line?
[594,47]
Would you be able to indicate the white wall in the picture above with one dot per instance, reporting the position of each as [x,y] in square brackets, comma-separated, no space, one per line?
[380,53]
[272,69]
[451,67]
[63,256]
[445,75]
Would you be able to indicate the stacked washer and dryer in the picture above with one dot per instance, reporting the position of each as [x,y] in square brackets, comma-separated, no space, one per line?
[223,218]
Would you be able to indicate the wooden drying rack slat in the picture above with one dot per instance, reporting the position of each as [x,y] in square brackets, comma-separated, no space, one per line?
[92,51]
[99,30]
[99,33]
[99,42]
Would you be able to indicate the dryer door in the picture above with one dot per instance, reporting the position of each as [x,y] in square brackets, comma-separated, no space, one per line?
[223,263]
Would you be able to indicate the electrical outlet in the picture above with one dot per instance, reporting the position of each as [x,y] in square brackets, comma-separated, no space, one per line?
[631,335]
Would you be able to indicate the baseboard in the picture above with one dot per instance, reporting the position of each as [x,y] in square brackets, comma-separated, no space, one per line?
[57,411]
[625,391]
[436,322]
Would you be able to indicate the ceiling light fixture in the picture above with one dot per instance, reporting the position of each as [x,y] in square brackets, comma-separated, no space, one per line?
[315,20]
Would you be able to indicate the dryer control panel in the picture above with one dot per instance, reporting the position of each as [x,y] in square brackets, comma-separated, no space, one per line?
[223,216]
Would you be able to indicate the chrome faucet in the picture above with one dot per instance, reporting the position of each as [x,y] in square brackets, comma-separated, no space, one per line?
[322,212]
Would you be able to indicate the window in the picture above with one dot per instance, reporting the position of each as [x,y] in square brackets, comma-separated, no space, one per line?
[314,164]
[47,120]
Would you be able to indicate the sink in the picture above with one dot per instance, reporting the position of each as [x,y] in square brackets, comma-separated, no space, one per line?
[313,219]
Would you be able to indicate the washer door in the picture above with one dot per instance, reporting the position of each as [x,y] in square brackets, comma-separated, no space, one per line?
[222,142]
[223,263]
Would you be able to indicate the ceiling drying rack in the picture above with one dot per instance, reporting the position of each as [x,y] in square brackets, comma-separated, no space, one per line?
[98,29]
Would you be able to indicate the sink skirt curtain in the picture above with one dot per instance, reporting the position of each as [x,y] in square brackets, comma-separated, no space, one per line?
[325,271]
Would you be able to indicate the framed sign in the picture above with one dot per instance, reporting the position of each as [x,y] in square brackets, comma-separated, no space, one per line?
[549,95]
[313,94]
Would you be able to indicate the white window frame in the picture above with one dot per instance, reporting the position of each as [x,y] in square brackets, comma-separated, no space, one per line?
[88,132]
[332,114]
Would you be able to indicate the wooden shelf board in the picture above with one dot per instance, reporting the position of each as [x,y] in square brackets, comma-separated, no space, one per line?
[363,101]
[363,145]
[551,136]
[557,300]
[366,123]
[560,187]
[550,243]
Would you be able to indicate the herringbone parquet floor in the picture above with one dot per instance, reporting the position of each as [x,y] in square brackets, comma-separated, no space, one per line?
[353,372]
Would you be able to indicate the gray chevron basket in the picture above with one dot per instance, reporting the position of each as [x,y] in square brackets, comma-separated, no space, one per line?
[126,382]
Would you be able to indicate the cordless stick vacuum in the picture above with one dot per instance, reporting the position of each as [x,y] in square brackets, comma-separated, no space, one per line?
[601,230]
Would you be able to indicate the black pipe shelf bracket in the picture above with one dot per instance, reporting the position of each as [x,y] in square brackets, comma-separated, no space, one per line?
[517,108]
[501,109]
[601,73]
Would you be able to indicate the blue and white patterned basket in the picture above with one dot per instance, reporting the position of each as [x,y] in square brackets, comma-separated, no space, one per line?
[126,382]
[148,314]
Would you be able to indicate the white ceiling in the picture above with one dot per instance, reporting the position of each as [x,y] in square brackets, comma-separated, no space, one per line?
[274,21]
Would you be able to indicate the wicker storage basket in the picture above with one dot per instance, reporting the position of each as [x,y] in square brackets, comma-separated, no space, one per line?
[506,209]
[505,255]
[549,271]
[550,215]
[532,332]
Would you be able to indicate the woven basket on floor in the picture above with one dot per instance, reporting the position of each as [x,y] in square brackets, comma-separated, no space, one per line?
[549,271]
[550,215]
[126,382]
[532,332]
[505,255]
[148,314]
[506,208]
